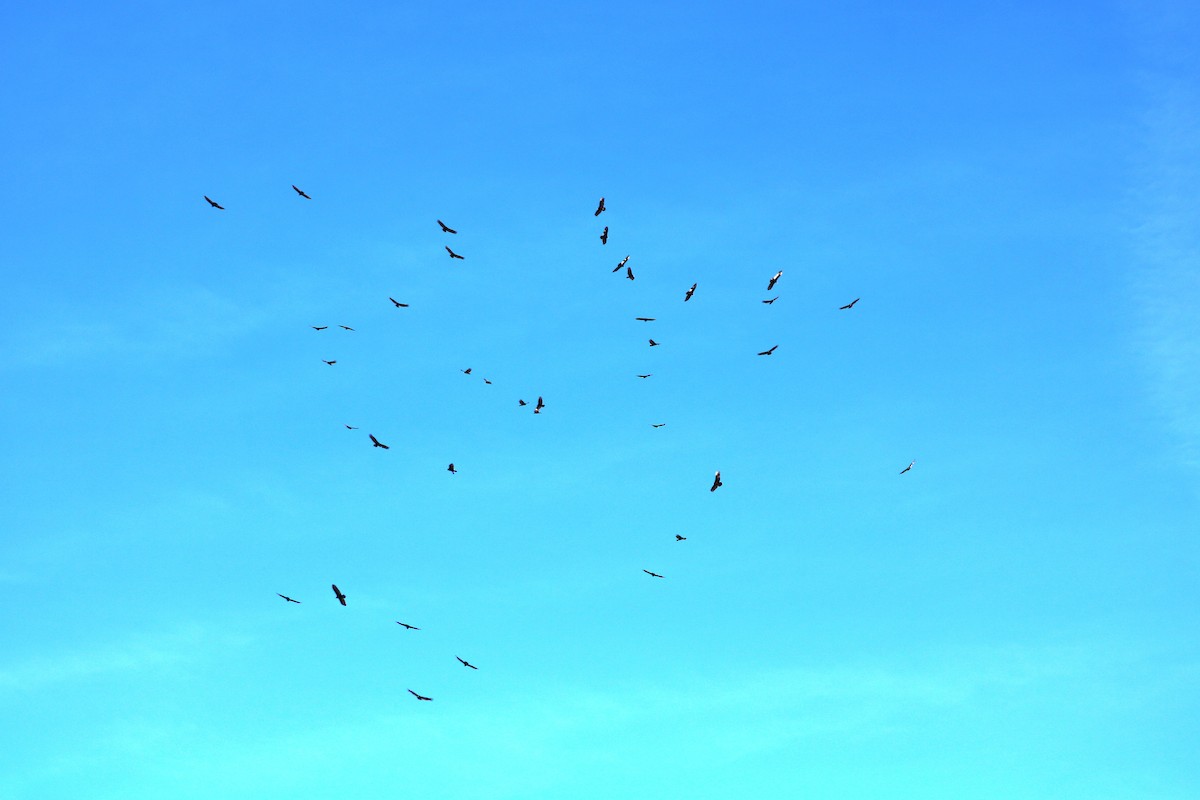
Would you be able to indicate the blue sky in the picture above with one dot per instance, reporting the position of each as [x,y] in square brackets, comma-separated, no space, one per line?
[1011,191]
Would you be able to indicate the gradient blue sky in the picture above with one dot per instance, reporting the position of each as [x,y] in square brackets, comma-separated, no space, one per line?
[1010,189]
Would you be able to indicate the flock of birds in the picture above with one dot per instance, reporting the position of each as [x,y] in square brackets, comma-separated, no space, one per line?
[624,263]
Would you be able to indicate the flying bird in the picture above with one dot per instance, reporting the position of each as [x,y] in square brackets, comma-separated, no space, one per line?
[397,303]
[772,282]
[652,574]
[351,428]
[406,626]
[679,538]
[540,405]
[716,482]
[689,294]
[653,343]
[214,203]
[451,469]
[768,352]
[629,273]
[772,300]
[341,597]
[604,236]
[285,597]
[376,443]
[522,403]
[850,304]
[599,208]
[302,194]
[906,469]
[465,664]
[418,696]
[319,327]
[330,363]
[345,327]
[454,254]
[647,375]
[485,380]
[657,424]
[645,319]
[624,260]
[466,371]
[446,228]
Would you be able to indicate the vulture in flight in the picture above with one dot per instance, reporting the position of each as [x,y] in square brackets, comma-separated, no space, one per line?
[406,626]
[319,327]
[418,696]
[652,574]
[906,469]
[330,363]
[645,319]
[540,405]
[214,203]
[285,597]
[466,371]
[657,424]
[485,380]
[351,428]
[850,304]
[629,273]
[653,343]
[624,260]
[522,403]
[774,280]
[647,375]
[465,664]
[299,192]
[772,300]
[397,303]
[604,236]
[768,352]
[376,443]
[679,538]
[599,208]
[451,469]
[446,228]
[345,327]
[341,597]
[689,294]
[454,254]
[716,482]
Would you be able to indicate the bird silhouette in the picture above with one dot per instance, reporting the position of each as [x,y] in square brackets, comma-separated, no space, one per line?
[540,405]
[624,261]
[351,428]
[522,403]
[318,327]
[214,203]
[345,327]
[418,696]
[652,574]
[679,538]
[376,443]
[771,283]
[451,469]
[629,273]
[850,304]
[647,375]
[406,626]
[768,352]
[653,343]
[604,236]
[285,597]
[599,208]
[466,371]
[302,194]
[485,380]
[330,363]
[446,228]
[645,319]
[716,482]
[465,664]
[397,303]
[657,424]
[340,597]
[906,469]
[454,254]
[772,300]
[689,294]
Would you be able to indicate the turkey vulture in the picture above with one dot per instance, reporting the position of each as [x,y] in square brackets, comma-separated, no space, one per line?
[302,194]
[629,273]
[341,597]
[451,469]
[768,352]
[653,343]
[446,228]
[406,626]
[906,469]
[689,294]
[540,405]
[652,574]
[319,327]
[398,304]
[454,254]
[465,664]
[345,327]
[419,697]
[647,375]
[522,403]
[657,424]
[351,428]
[850,304]
[679,538]
[466,371]
[624,260]
[485,380]
[645,319]
[604,236]
[599,208]
[772,282]
[716,482]
[772,300]
[330,363]
[213,203]
[376,443]
[285,597]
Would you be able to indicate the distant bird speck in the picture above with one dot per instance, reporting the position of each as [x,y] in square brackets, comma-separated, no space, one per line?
[906,469]
[652,574]
[772,300]
[690,292]
[285,597]
[397,303]
[451,469]
[465,664]
[717,482]
[653,343]
[302,194]
[679,538]
[771,283]
[624,261]
[330,363]
[599,208]
[540,405]
[214,203]
[850,304]
[604,236]
[445,228]
[419,696]
[338,592]
[406,626]
[768,352]
[454,254]
[376,443]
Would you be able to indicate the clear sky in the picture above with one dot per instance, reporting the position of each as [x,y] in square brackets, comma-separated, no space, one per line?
[1011,190]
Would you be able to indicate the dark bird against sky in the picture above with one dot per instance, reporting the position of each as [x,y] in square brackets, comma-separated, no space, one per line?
[540,405]
[624,261]
[213,203]
[599,208]
[451,469]
[330,363]
[445,228]
[454,254]
[302,194]
[690,292]
[629,273]
[419,696]
[285,597]
[341,598]
[774,280]
[653,343]
[406,626]
[717,482]
[657,424]
[652,574]
[910,466]
[850,304]
[351,428]
[647,375]
[397,303]
[768,352]
[604,236]
[645,319]
[376,443]
[319,327]
[345,327]
[772,300]
[679,538]
[465,664]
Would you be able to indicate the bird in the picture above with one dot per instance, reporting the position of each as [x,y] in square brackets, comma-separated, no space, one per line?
[624,260]
[397,303]
[645,319]
[906,469]
[214,203]
[454,254]
[285,597]
[302,194]
[679,538]
[465,664]
[485,380]
[657,424]
[451,469]
[604,236]
[653,343]
[419,697]
[689,294]
[599,208]
[341,597]
[768,352]
[376,443]
[850,304]
[466,371]
[522,403]
[772,282]
[647,375]
[319,327]
[351,428]
[345,327]
[330,363]
[540,405]
[772,300]
[629,273]
[406,626]
[652,574]
[446,228]
[716,482]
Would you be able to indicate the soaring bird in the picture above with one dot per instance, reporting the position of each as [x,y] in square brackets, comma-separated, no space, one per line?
[376,443]
[485,380]
[599,208]
[540,405]
[679,538]
[330,363]
[657,424]
[285,597]
[319,327]
[768,352]
[418,696]
[653,343]
[454,254]
[406,626]
[345,327]
[351,428]
[604,236]
[652,574]
[850,304]
[214,203]
[302,194]
[716,482]
[771,283]
[397,303]
[772,300]
[689,294]
[906,469]
[629,273]
[647,375]
[341,597]
[645,319]
[446,228]
[522,403]
[465,664]
[466,371]
[624,260]
[451,469]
